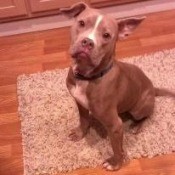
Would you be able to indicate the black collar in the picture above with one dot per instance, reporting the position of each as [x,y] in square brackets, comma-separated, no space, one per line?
[103,72]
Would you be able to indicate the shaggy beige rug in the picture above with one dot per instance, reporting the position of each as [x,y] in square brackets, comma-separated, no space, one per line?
[48,113]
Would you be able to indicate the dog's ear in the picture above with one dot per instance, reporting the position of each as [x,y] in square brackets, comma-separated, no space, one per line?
[127,26]
[74,10]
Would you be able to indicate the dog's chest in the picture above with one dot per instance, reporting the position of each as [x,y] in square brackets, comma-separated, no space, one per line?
[79,93]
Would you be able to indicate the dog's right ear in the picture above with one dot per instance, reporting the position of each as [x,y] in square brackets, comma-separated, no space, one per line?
[74,10]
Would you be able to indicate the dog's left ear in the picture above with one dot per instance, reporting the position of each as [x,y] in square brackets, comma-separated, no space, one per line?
[127,26]
[74,10]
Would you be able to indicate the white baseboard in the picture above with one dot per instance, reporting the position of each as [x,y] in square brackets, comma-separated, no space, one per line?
[57,21]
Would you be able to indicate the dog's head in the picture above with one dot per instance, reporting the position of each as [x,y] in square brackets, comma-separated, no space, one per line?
[94,35]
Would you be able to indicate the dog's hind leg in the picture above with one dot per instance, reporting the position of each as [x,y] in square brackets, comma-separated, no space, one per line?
[142,110]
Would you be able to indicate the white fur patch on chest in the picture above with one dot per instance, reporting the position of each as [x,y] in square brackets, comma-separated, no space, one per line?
[79,93]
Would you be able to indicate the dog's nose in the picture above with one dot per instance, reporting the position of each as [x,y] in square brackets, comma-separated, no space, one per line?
[86,42]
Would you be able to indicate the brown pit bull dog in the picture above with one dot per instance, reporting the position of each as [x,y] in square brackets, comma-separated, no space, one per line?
[101,85]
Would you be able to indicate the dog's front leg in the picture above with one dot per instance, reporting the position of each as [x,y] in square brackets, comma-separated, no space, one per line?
[115,133]
[113,124]
[79,132]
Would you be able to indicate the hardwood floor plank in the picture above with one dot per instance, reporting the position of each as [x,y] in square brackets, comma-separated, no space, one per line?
[5,151]
[8,118]
[21,50]
[160,162]
[163,39]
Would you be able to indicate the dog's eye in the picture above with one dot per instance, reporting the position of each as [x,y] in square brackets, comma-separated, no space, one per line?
[81,23]
[106,35]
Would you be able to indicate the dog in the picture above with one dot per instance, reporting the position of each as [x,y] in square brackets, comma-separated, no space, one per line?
[101,85]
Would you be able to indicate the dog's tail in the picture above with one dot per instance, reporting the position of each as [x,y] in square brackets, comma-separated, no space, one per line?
[164,92]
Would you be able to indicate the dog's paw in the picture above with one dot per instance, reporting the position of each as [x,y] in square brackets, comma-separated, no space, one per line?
[112,165]
[76,134]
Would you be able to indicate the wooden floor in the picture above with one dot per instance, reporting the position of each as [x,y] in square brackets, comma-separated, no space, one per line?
[29,53]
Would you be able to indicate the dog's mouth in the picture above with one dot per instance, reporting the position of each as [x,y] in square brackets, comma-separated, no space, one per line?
[80,54]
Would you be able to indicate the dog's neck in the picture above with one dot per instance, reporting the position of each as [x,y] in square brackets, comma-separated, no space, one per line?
[79,76]
[96,73]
